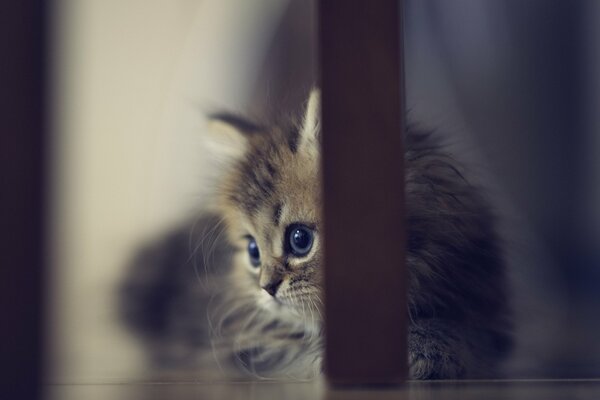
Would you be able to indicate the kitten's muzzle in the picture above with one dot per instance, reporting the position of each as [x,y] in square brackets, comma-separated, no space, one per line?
[272,286]
[271,277]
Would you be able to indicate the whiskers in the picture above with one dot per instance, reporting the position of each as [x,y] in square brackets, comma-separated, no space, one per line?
[249,329]
[263,337]
[205,244]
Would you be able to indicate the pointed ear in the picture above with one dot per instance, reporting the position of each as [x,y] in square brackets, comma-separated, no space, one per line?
[228,135]
[311,123]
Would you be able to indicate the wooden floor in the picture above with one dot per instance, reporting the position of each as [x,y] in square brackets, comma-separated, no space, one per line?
[464,390]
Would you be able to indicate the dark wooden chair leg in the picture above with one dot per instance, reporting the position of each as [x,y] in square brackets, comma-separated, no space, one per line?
[362,123]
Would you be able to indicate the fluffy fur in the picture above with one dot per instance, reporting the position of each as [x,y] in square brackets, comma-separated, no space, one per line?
[459,318]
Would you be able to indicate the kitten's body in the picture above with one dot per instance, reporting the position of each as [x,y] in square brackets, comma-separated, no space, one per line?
[457,296]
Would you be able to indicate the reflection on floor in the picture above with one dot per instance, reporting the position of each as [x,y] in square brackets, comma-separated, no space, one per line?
[448,390]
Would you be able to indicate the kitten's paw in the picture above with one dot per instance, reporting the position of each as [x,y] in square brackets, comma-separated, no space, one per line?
[434,352]
[435,366]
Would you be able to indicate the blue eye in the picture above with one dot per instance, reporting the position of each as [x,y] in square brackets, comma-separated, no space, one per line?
[300,239]
[253,252]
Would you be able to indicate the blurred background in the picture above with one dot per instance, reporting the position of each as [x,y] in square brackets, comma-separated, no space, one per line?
[514,86]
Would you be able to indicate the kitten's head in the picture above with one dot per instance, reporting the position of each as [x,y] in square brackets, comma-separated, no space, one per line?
[270,197]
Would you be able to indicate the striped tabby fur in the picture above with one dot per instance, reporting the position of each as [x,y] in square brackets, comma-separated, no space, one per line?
[459,318]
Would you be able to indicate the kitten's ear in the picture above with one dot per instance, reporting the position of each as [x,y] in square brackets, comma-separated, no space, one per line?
[311,122]
[228,135]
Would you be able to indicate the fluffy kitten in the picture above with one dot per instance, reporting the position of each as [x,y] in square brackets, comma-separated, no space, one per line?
[257,305]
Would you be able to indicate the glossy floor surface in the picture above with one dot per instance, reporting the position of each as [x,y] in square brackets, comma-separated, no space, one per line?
[464,390]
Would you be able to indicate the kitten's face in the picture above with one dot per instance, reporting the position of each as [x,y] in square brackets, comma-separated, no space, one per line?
[271,200]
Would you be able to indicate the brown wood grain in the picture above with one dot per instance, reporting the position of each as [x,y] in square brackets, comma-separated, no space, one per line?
[362,123]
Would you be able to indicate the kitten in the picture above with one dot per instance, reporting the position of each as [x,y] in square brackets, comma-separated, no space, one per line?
[258,303]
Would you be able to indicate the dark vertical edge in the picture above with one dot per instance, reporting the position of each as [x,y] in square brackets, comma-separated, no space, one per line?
[22,161]
[363,183]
